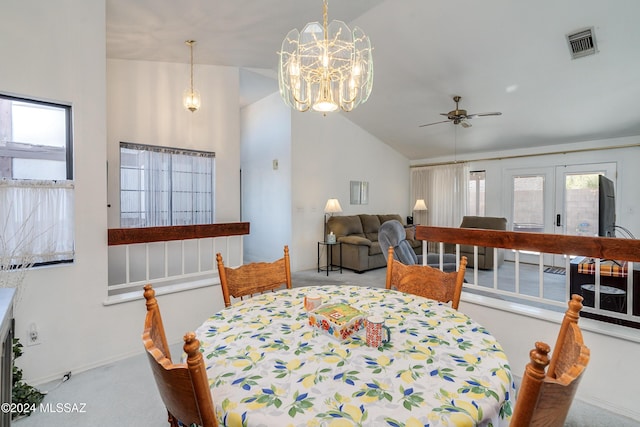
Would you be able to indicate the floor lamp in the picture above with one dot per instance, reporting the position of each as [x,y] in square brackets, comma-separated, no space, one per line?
[332,206]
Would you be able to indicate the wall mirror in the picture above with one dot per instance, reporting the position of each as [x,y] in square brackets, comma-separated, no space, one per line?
[359,192]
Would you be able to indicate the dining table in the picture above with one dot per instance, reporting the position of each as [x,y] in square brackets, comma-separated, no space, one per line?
[267,366]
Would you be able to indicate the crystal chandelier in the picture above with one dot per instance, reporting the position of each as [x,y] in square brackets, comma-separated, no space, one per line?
[190,97]
[325,67]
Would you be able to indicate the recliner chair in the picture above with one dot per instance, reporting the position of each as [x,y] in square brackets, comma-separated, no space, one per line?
[392,233]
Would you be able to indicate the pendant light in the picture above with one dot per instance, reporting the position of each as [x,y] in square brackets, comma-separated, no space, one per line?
[191,97]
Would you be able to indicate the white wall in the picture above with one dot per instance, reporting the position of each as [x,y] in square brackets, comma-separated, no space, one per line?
[145,106]
[329,152]
[56,51]
[318,157]
[266,192]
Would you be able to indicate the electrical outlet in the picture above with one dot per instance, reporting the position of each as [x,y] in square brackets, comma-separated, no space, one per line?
[33,336]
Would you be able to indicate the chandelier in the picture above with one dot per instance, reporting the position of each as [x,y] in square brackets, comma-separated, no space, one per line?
[325,67]
[190,97]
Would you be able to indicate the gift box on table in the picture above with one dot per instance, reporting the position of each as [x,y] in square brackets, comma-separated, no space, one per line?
[338,320]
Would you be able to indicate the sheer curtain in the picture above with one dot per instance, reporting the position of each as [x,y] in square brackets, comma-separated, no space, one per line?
[444,189]
[36,221]
[162,186]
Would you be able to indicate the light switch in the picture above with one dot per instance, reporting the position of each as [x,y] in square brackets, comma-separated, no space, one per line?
[275,164]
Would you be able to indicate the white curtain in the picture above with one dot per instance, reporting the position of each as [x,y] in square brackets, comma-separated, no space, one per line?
[163,186]
[444,190]
[36,221]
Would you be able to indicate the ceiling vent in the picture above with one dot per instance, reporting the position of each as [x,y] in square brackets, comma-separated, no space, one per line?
[582,43]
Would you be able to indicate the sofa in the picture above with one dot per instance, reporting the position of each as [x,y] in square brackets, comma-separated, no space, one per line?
[485,254]
[358,234]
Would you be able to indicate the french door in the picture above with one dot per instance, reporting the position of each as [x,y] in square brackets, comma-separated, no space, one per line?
[555,200]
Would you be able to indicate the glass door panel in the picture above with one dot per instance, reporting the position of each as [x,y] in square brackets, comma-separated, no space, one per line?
[530,200]
[528,203]
[577,200]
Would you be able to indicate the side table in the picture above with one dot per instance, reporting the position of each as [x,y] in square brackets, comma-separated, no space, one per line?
[329,266]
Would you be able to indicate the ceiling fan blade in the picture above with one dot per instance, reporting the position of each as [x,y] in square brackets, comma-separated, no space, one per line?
[429,124]
[495,113]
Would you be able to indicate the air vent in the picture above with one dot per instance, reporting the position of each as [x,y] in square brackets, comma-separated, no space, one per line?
[582,43]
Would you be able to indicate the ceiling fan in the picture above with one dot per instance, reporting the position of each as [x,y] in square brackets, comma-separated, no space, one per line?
[460,117]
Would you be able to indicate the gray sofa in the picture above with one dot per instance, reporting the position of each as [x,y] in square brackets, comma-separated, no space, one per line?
[359,236]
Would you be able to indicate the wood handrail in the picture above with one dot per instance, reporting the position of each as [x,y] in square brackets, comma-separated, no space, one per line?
[128,236]
[597,247]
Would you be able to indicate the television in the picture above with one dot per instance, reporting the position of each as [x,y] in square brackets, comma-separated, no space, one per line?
[606,207]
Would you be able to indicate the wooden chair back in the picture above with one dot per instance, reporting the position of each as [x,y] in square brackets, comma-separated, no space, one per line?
[425,281]
[254,278]
[544,398]
[184,388]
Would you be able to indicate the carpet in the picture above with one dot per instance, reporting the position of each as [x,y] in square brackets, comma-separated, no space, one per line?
[555,270]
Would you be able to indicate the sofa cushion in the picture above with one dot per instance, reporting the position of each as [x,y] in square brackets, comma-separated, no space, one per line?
[355,240]
[410,231]
[389,217]
[486,222]
[345,225]
[370,226]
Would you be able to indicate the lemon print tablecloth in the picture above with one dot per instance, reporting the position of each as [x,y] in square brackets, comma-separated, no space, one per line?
[268,367]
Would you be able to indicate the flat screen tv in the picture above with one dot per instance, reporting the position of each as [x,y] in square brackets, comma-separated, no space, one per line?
[606,207]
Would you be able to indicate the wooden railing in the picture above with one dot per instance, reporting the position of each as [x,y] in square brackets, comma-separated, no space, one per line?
[128,236]
[598,248]
[171,258]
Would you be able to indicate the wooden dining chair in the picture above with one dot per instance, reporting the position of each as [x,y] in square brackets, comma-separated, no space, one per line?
[426,281]
[253,278]
[544,398]
[184,387]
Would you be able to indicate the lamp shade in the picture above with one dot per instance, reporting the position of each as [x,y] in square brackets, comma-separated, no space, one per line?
[420,205]
[332,206]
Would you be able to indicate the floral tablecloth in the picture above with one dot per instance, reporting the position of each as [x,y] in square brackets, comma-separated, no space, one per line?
[268,367]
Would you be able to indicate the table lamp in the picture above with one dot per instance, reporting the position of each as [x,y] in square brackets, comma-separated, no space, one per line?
[332,206]
[419,206]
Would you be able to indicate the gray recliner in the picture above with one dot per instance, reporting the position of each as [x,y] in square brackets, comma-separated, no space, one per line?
[393,233]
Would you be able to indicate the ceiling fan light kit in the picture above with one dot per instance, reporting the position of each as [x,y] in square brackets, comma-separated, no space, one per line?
[460,116]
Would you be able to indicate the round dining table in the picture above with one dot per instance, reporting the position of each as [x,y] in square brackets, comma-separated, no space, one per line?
[268,367]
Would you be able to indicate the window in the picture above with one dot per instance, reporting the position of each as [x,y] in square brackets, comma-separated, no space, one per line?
[161,186]
[36,187]
[476,193]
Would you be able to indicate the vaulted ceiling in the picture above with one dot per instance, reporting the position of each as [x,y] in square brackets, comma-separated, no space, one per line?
[499,55]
